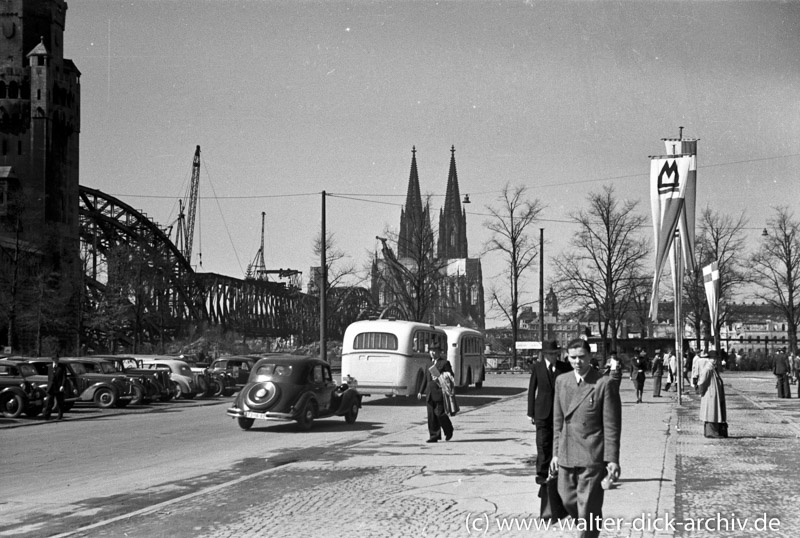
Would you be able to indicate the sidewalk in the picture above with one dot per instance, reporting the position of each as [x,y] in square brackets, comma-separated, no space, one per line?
[482,482]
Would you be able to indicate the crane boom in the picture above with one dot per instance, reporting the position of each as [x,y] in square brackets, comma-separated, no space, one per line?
[191,205]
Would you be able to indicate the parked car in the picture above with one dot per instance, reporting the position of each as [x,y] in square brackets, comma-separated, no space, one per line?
[179,372]
[288,387]
[202,377]
[237,369]
[156,383]
[138,384]
[17,393]
[72,388]
[102,384]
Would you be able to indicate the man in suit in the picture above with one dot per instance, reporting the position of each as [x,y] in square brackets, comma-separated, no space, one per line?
[541,392]
[438,420]
[587,420]
[56,379]
[780,368]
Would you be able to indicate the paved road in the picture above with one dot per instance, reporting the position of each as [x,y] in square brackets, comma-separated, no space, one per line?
[61,476]
[386,482]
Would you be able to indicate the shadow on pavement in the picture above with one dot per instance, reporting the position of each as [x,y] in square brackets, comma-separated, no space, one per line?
[319,425]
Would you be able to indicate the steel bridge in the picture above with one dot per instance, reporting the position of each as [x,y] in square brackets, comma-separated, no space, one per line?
[169,297]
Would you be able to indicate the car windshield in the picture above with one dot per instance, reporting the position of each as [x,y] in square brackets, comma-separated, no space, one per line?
[184,369]
[27,369]
[220,365]
[131,363]
[107,368]
[78,368]
[8,370]
[273,371]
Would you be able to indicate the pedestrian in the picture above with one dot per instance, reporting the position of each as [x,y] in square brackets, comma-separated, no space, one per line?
[671,365]
[56,381]
[687,363]
[658,372]
[780,369]
[541,392]
[438,421]
[614,367]
[796,365]
[638,373]
[587,422]
[713,411]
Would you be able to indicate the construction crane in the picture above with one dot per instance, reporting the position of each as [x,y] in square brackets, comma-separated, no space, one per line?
[185,231]
[257,270]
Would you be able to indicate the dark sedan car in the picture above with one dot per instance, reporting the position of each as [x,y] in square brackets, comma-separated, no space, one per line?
[17,393]
[235,370]
[288,387]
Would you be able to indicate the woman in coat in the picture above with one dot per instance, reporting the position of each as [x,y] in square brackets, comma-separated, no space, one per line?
[713,411]
[638,373]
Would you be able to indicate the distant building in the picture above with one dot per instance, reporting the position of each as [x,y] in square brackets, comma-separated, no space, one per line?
[459,297]
[39,132]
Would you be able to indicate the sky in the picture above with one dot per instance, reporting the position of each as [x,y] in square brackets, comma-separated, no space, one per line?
[288,99]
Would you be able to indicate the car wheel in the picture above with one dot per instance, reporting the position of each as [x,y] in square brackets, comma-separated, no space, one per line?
[306,418]
[12,406]
[245,423]
[104,398]
[228,392]
[179,394]
[216,388]
[138,396]
[351,416]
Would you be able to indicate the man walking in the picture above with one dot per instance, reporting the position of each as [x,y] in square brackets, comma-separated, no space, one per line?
[56,379]
[541,392]
[780,369]
[587,421]
[658,373]
[438,420]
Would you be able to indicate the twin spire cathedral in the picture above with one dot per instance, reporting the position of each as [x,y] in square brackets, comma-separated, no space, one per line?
[459,283]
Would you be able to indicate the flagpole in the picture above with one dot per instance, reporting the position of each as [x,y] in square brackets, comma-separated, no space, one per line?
[677,307]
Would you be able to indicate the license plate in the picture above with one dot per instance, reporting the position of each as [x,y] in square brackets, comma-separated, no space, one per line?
[250,414]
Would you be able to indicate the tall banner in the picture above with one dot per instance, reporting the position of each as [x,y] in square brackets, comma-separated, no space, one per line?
[668,182]
[711,282]
[680,146]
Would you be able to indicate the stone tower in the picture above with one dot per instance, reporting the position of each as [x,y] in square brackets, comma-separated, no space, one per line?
[39,132]
[415,223]
[452,219]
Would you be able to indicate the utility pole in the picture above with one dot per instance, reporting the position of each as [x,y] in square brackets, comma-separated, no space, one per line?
[323,284]
[541,289]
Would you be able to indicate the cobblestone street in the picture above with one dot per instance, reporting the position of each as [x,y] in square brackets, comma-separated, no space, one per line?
[675,481]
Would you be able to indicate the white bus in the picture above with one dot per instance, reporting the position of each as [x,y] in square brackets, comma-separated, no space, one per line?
[389,356]
[465,351]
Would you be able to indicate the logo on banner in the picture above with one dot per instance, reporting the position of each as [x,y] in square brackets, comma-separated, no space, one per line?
[669,179]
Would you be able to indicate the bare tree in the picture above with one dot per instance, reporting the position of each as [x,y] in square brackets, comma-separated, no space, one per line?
[776,269]
[412,284]
[721,240]
[343,285]
[606,260]
[509,224]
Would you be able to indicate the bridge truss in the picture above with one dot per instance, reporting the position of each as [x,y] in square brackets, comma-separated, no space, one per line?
[134,271]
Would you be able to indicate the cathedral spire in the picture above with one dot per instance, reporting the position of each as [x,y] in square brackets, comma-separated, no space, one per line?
[414,221]
[452,219]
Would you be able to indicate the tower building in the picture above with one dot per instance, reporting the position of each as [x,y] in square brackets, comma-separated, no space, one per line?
[456,288]
[39,132]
